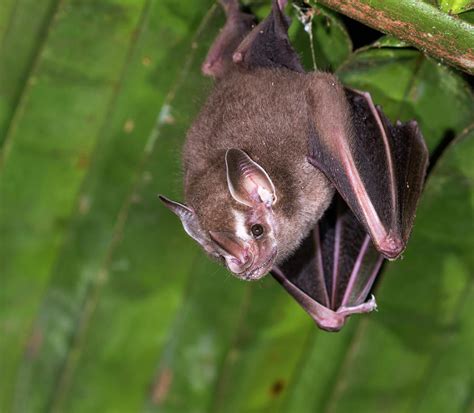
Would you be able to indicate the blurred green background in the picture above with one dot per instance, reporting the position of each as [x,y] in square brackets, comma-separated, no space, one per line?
[107,306]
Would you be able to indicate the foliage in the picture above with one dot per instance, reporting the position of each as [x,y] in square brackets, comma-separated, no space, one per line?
[106,305]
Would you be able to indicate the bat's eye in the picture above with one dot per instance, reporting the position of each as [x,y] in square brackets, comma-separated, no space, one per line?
[257,230]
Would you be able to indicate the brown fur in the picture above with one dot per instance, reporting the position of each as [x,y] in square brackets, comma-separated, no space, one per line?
[264,112]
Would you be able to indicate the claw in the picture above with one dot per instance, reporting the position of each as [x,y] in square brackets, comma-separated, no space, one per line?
[366,307]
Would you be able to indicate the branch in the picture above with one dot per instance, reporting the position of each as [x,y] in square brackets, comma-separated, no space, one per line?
[445,37]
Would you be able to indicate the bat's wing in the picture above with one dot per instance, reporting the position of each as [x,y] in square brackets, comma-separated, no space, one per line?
[332,273]
[378,168]
[249,46]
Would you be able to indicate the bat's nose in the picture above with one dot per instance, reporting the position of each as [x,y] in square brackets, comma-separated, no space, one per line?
[261,266]
[239,265]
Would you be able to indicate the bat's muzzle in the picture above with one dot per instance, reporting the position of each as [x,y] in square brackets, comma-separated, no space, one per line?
[258,270]
[247,260]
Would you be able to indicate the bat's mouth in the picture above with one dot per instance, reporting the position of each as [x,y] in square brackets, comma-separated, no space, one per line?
[260,270]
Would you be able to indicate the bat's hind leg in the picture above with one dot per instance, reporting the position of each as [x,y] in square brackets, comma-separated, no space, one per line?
[243,43]
[238,25]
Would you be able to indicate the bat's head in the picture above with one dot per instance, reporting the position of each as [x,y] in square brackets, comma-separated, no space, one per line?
[246,238]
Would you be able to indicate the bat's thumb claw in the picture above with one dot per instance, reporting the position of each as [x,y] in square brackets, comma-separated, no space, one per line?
[373,303]
[237,57]
[391,246]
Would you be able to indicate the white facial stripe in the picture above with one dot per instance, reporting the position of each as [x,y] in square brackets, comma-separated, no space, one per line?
[240,228]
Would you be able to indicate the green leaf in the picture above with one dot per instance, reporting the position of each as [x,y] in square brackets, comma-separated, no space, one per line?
[468,17]
[320,37]
[23,27]
[48,153]
[390,41]
[456,6]
[410,86]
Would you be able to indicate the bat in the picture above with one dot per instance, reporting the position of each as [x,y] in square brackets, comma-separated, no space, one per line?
[290,172]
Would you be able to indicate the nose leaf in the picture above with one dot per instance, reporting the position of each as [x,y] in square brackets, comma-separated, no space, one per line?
[231,245]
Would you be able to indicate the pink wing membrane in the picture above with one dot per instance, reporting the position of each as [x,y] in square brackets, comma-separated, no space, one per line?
[378,169]
[332,273]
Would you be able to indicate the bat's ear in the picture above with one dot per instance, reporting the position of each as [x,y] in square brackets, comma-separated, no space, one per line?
[247,181]
[188,219]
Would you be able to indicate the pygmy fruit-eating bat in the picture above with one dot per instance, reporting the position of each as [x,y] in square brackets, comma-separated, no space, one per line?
[265,156]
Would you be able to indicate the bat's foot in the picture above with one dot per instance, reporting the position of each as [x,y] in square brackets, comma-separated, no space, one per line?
[335,320]
[366,307]
[238,25]
[324,317]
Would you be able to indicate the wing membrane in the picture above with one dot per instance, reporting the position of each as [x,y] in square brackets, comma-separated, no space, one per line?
[332,273]
[378,168]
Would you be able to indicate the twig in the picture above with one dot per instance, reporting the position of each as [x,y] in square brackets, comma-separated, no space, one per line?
[445,37]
